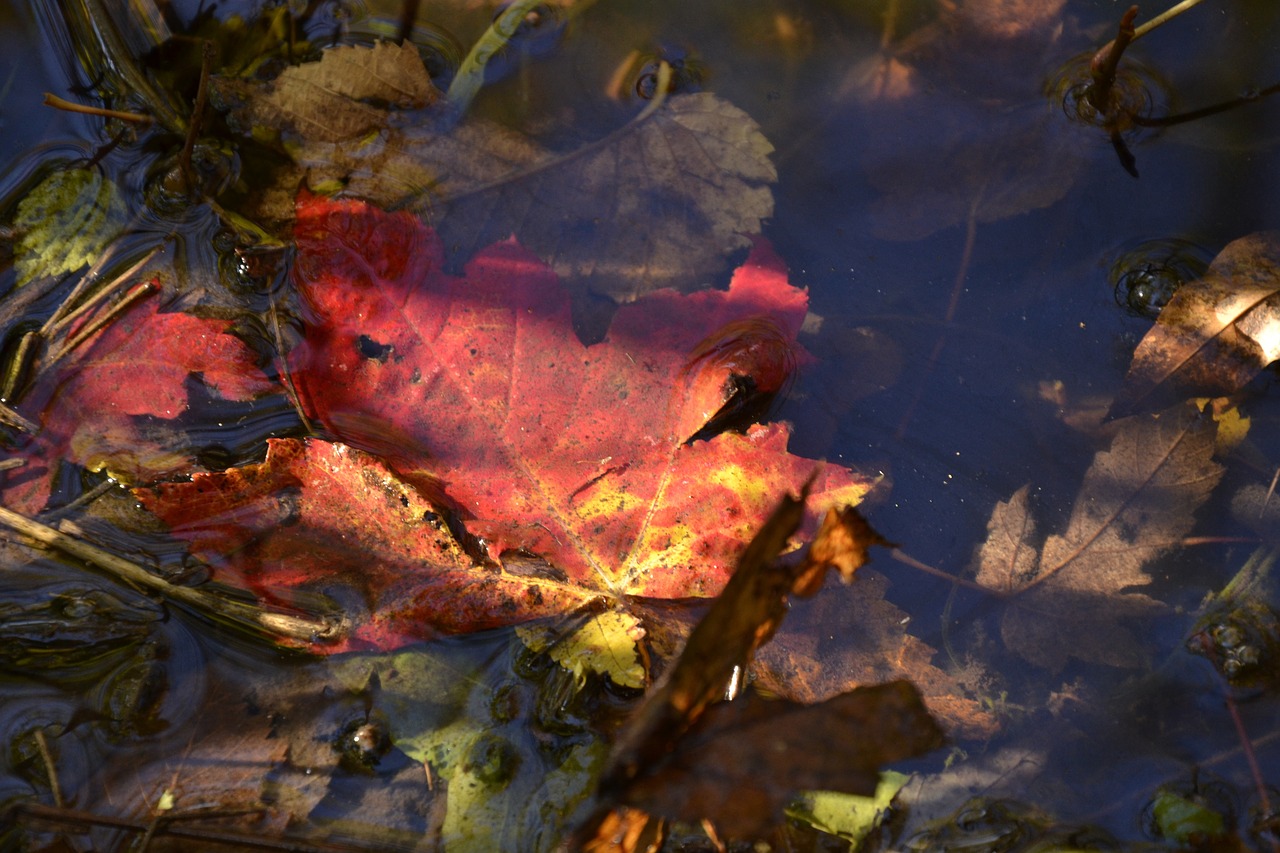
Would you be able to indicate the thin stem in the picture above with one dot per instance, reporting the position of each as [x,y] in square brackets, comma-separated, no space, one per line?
[52,100]
[69,310]
[290,626]
[197,115]
[17,368]
[907,560]
[1205,112]
[91,328]
[51,769]
[1167,15]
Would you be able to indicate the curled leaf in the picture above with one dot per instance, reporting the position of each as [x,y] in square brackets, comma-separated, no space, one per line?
[1215,334]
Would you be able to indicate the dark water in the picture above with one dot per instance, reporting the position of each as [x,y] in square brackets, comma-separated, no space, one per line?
[957,244]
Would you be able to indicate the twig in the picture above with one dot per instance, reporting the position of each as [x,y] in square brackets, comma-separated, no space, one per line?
[17,368]
[11,463]
[1165,16]
[69,310]
[1102,68]
[12,418]
[301,628]
[52,100]
[50,769]
[197,116]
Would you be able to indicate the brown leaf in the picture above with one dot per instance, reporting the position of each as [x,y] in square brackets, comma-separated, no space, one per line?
[660,202]
[1136,502]
[848,637]
[1215,334]
[764,752]
[343,96]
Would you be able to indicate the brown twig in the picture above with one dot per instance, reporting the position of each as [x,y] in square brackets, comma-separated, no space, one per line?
[52,100]
[1105,62]
[50,768]
[207,56]
[91,328]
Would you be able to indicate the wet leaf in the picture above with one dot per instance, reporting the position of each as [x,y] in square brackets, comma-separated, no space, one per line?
[682,749]
[1215,334]
[345,94]
[660,202]
[111,402]
[847,637]
[576,455]
[849,816]
[66,221]
[605,643]
[995,149]
[765,752]
[1069,596]
[324,516]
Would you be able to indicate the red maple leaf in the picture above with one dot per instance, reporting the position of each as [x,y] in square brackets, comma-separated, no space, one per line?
[107,403]
[576,457]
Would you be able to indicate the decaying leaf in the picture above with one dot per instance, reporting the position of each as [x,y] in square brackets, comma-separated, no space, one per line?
[766,751]
[844,638]
[995,148]
[66,221]
[1215,334]
[682,749]
[1069,596]
[662,201]
[343,95]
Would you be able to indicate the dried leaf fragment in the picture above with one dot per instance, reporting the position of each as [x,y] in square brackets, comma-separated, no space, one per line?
[1215,334]
[1137,501]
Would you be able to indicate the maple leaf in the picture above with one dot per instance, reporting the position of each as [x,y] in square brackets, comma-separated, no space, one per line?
[473,397]
[109,403]
[1136,502]
[1215,334]
[576,454]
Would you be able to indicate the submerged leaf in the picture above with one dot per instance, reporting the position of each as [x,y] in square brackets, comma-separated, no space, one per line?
[682,749]
[342,96]
[1136,502]
[66,221]
[577,455]
[1215,334]
[111,403]
[765,752]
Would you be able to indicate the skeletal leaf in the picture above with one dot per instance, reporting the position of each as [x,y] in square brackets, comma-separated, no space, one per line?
[1136,502]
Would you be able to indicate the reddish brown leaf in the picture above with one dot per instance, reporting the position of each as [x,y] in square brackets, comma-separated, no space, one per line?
[575,454]
[1215,334]
[106,404]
